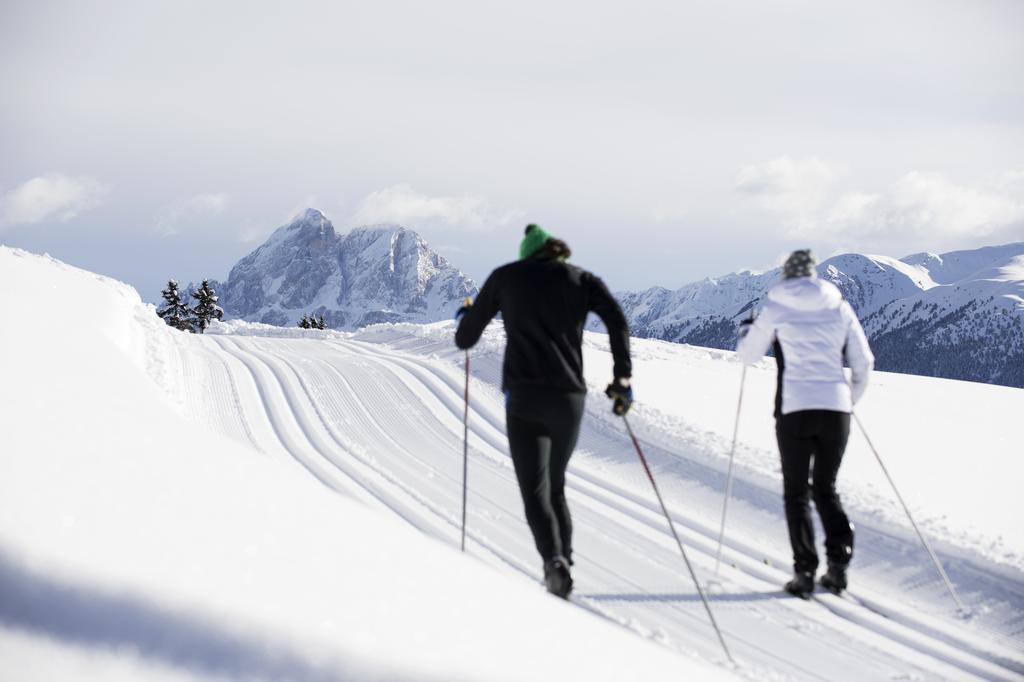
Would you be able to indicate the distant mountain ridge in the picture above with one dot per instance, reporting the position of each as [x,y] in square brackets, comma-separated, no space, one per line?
[382,273]
[957,315]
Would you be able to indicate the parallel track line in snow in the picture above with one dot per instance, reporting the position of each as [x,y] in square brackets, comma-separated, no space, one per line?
[491,547]
[272,415]
[351,485]
[955,655]
[449,396]
[391,479]
[236,398]
[318,431]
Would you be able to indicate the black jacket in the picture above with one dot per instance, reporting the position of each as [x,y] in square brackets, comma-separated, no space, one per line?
[544,304]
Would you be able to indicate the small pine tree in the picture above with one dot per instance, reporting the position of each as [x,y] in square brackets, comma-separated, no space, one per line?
[175,312]
[321,323]
[304,322]
[206,307]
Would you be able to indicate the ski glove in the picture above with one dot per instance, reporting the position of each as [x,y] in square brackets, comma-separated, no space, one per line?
[745,326]
[461,312]
[621,394]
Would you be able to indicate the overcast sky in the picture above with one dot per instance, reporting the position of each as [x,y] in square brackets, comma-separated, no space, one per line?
[665,141]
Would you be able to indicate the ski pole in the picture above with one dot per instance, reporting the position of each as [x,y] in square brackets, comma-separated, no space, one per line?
[465,453]
[920,535]
[689,567]
[728,476]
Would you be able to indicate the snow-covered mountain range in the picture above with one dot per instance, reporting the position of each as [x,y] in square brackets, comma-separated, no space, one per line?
[957,315]
[372,274]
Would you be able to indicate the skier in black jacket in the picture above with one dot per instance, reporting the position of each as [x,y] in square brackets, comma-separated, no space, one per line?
[544,301]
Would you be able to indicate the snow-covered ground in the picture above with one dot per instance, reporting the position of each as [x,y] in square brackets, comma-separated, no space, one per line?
[265,503]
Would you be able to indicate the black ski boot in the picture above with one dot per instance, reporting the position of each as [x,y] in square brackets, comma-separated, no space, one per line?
[557,577]
[802,584]
[834,579]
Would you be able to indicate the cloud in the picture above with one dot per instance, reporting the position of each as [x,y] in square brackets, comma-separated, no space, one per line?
[403,205]
[932,204]
[806,197]
[171,219]
[796,188]
[50,196]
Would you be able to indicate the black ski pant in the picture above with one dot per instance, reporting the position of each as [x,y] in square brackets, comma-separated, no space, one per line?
[812,443]
[543,427]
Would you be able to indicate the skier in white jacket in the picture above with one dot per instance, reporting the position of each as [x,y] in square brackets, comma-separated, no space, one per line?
[812,330]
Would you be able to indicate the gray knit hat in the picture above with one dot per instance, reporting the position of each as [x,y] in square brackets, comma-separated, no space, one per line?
[799,264]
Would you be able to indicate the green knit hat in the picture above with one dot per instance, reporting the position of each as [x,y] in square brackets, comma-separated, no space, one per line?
[535,238]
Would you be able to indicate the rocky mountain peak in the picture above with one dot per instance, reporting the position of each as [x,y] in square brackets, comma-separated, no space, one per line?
[376,273]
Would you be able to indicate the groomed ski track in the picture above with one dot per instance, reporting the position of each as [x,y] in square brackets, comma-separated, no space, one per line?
[385,426]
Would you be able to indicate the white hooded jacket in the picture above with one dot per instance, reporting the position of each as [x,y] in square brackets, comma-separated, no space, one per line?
[813,330]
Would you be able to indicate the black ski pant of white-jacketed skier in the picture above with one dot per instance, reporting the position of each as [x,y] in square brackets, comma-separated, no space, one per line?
[543,427]
[812,443]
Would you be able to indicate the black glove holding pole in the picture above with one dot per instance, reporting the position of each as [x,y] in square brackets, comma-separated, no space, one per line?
[466,305]
[621,394]
[744,328]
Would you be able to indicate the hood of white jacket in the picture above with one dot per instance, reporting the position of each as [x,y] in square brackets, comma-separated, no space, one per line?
[806,293]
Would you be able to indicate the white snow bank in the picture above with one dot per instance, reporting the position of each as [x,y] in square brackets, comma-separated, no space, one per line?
[244,328]
[136,544]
